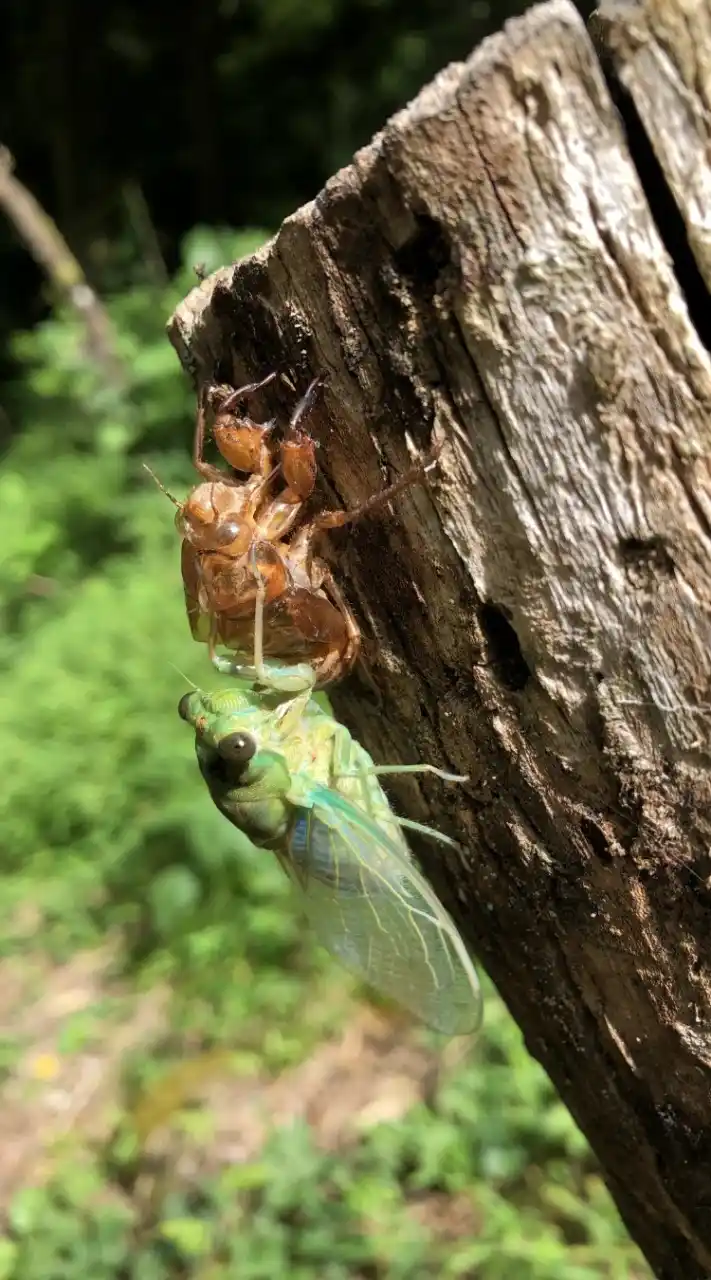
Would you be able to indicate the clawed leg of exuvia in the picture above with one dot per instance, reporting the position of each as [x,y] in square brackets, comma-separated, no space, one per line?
[306,403]
[243,393]
[202,467]
[298,451]
[336,519]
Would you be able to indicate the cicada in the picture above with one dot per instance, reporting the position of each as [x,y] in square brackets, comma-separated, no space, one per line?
[292,778]
[246,530]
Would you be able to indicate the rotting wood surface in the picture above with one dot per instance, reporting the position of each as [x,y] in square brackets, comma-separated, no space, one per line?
[489,271]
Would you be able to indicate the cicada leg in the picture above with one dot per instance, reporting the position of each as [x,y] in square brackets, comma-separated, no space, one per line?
[242,443]
[420,768]
[306,403]
[430,832]
[298,450]
[297,467]
[336,519]
[243,393]
[204,468]
[350,652]
[343,756]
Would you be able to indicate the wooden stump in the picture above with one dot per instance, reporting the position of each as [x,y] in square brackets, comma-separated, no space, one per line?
[489,272]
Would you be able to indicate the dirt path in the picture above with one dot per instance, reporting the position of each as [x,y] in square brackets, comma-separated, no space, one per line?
[67,1030]
[64,1079]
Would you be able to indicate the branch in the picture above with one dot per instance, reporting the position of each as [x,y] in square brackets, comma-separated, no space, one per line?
[51,251]
[488,271]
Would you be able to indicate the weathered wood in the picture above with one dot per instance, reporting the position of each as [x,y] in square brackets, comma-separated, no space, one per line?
[661,54]
[488,271]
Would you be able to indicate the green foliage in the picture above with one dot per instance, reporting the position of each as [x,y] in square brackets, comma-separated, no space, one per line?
[104,813]
[108,832]
[492,1180]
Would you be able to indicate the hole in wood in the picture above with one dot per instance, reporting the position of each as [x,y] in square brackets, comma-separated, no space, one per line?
[424,256]
[647,553]
[596,839]
[504,649]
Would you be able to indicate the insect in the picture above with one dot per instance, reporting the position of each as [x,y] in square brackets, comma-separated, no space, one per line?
[291,778]
[242,536]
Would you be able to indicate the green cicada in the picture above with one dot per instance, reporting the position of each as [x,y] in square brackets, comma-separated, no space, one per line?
[294,780]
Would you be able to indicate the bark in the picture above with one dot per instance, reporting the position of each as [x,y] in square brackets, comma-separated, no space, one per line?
[488,271]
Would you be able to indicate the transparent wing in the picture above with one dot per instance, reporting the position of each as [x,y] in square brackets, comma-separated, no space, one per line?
[373,910]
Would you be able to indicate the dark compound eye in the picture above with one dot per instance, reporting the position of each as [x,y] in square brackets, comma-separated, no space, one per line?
[238,748]
[184,706]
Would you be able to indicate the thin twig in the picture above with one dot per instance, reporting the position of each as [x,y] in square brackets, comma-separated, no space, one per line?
[49,248]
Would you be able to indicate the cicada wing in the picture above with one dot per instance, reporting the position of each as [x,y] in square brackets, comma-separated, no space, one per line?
[373,910]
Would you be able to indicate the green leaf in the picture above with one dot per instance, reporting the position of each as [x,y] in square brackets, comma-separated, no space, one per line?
[191,1236]
[8,1257]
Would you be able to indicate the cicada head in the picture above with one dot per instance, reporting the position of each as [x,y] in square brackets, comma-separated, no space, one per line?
[236,722]
[215,716]
[248,782]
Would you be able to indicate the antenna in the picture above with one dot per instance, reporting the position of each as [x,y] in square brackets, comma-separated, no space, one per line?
[161,486]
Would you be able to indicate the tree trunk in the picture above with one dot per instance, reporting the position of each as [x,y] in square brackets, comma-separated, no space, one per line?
[488,271]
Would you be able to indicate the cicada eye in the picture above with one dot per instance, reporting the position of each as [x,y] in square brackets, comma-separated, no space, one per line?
[184,706]
[237,748]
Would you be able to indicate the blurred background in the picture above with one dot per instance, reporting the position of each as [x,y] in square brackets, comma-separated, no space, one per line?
[188,1087]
